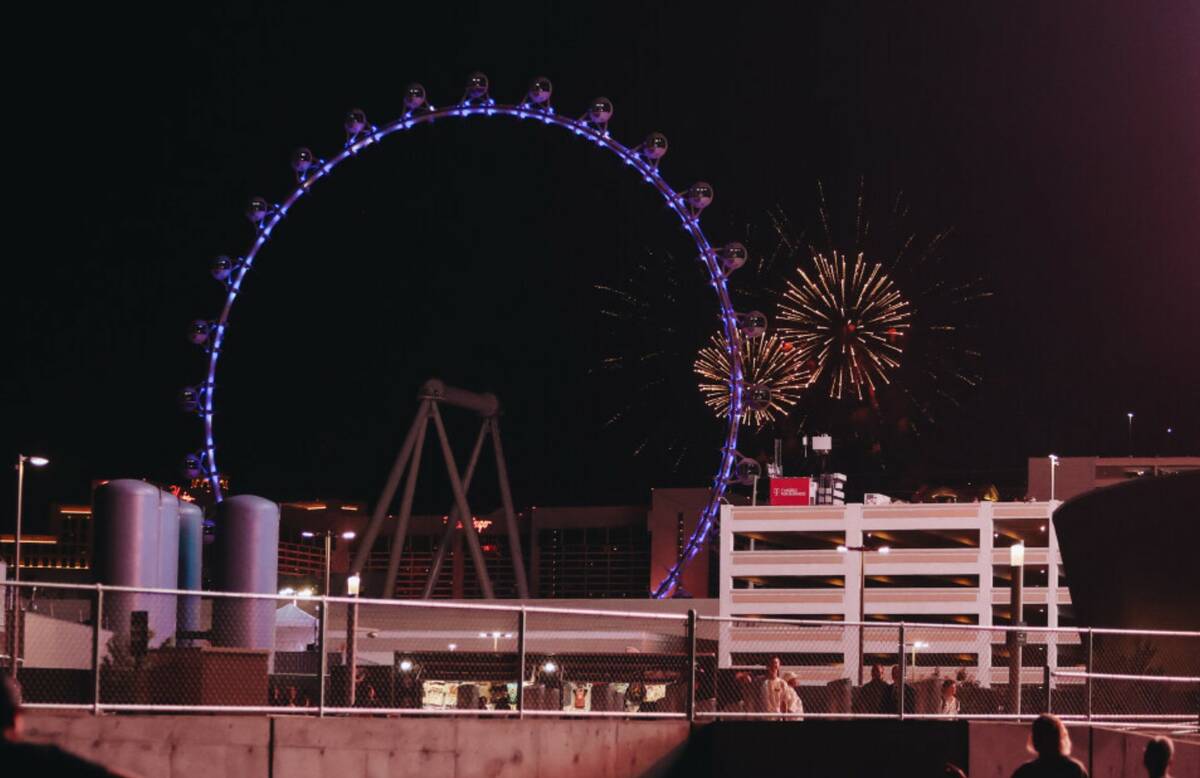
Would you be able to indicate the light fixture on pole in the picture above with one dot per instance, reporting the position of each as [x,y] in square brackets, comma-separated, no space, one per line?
[14,640]
[328,535]
[914,646]
[1053,467]
[352,585]
[495,636]
[1016,637]
[1130,416]
[862,592]
[22,460]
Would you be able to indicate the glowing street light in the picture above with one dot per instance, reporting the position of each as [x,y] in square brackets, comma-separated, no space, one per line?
[1053,467]
[916,644]
[328,535]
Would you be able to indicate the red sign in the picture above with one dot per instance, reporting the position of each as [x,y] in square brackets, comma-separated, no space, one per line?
[790,491]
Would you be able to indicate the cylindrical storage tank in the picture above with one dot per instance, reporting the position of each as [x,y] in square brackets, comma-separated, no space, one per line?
[168,554]
[191,540]
[247,555]
[128,522]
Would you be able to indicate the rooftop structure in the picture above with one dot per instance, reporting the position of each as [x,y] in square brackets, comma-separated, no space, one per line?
[1076,475]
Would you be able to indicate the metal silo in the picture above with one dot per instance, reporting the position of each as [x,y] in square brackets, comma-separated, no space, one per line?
[168,560]
[191,541]
[247,553]
[128,517]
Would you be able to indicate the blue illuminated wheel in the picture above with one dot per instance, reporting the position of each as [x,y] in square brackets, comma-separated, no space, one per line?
[476,102]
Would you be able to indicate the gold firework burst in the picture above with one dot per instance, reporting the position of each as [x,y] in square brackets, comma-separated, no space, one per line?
[773,372]
[847,321]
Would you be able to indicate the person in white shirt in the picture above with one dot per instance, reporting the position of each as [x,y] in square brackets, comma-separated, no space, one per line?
[797,707]
[949,705]
[779,694]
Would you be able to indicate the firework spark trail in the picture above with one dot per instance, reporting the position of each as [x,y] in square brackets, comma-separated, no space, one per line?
[845,318]
[767,361]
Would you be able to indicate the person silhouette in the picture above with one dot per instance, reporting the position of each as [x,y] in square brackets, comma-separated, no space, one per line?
[872,694]
[19,757]
[1048,738]
[1160,752]
[890,696]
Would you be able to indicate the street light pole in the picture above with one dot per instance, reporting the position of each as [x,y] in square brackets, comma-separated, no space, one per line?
[862,596]
[352,584]
[14,639]
[1016,637]
[328,552]
[1130,415]
[1053,467]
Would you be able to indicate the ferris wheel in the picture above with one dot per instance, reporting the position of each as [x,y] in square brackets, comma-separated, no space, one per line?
[536,107]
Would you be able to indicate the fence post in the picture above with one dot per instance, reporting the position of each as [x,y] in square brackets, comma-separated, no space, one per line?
[691,658]
[521,663]
[1089,674]
[98,617]
[902,683]
[323,663]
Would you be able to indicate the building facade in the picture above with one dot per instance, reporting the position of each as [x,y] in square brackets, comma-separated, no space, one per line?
[945,564]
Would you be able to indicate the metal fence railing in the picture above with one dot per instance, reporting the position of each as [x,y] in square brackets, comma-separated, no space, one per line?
[111,648]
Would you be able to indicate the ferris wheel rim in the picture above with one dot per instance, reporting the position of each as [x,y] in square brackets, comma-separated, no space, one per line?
[594,132]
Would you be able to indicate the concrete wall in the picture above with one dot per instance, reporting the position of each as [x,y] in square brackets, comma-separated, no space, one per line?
[452,748]
[162,746]
[998,748]
[1116,754]
[306,747]
[167,746]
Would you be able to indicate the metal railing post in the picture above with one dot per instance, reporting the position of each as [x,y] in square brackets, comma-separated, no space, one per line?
[97,619]
[691,659]
[521,663]
[901,684]
[1046,681]
[323,663]
[1089,674]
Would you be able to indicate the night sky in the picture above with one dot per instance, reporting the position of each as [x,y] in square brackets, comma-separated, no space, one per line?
[1060,141]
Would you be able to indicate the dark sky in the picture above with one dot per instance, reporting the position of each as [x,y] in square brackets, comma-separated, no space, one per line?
[1061,141]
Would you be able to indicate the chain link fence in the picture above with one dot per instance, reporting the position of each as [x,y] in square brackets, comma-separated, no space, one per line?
[117,648]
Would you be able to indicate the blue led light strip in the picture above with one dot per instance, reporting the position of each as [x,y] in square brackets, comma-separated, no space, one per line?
[646,167]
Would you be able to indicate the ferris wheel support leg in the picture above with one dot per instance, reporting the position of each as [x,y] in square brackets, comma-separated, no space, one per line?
[452,518]
[389,491]
[406,501]
[460,500]
[510,516]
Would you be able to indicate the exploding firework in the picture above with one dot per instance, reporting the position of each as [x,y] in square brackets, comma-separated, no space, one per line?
[847,320]
[652,309]
[774,371]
